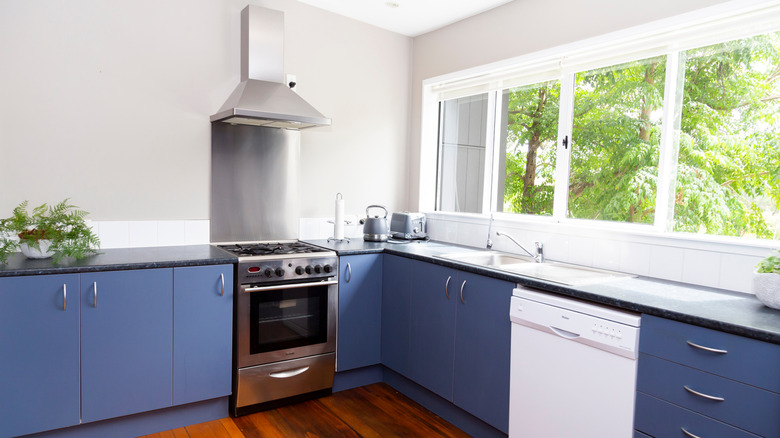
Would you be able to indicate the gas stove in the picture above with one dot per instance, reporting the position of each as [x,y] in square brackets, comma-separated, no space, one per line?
[281,262]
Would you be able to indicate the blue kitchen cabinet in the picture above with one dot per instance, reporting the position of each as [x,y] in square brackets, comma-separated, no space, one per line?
[396,312]
[202,332]
[432,343]
[460,339]
[126,342]
[482,349]
[360,311]
[39,344]
[709,382]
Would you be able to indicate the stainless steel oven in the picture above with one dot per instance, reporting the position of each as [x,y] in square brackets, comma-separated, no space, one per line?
[286,321]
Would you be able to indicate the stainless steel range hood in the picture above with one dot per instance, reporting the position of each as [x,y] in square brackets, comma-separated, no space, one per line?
[262,98]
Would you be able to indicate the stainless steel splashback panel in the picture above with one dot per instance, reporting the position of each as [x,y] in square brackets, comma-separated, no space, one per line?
[254,183]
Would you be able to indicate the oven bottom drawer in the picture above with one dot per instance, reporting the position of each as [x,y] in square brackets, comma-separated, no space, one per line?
[264,383]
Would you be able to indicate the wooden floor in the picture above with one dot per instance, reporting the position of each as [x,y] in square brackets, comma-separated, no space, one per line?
[370,411]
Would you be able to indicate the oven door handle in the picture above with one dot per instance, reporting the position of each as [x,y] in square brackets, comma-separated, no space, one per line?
[286,286]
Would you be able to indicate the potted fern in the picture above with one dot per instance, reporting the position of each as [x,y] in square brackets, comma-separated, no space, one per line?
[49,231]
[766,281]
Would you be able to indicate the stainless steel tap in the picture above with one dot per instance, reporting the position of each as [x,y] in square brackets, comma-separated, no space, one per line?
[538,257]
[489,244]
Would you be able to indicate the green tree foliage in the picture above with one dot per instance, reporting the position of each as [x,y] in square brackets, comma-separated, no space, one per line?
[728,173]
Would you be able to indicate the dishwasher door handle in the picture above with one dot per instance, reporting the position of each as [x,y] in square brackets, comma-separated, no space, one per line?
[564,333]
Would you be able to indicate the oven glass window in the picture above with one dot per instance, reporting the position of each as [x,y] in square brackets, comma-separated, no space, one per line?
[288,318]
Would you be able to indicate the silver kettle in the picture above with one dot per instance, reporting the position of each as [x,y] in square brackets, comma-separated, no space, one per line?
[375,228]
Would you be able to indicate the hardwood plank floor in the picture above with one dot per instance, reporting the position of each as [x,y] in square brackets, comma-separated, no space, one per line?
[370,411]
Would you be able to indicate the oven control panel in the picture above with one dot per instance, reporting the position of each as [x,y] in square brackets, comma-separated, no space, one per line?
[288,269]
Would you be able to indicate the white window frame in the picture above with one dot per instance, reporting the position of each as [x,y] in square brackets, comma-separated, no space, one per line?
[670,37]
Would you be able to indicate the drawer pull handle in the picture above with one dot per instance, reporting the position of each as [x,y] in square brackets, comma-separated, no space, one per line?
[688,433]
[461,291]
[64,297]
[447,287]
[222,277]
[94,294]
[708,397]
[290,373]
[701,347]
[349,272]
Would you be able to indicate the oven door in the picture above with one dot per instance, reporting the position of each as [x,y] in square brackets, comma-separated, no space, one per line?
[286,321]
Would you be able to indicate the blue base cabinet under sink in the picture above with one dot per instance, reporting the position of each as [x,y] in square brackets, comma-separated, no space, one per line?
[449,331]
[39,344]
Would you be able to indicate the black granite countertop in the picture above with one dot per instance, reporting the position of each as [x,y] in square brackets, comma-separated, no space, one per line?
[120,259]
[730,312]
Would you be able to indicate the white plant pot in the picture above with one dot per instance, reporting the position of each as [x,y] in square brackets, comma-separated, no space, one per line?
[766,286]
[35,253]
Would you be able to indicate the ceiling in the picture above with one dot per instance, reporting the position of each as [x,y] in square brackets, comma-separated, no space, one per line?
[407,17]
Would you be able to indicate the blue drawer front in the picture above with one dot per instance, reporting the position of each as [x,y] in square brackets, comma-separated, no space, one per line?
[744,406]
[748,360]
[660,419]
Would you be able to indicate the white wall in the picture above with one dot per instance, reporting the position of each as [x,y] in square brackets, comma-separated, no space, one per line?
[108,103]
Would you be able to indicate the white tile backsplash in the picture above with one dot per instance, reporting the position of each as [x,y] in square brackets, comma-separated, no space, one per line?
[137,234]
[736,272]
[634,258]
[114,234]
[666,263]
[701,267]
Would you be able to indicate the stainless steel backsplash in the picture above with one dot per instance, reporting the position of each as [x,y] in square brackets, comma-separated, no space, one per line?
[254,183]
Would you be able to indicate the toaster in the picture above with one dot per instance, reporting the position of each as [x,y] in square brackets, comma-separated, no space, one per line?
[405,225]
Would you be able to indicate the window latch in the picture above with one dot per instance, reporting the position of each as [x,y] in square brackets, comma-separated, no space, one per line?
[566,142]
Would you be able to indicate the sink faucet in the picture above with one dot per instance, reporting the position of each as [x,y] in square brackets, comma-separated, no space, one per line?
[490,226]
[538,258]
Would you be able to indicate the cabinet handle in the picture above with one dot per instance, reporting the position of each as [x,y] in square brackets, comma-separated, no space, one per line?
[222,278]
[710,349]
[447,287]
[349,272]
[702,395]
[461,291]
[94,293]
[64,297]
[688,433]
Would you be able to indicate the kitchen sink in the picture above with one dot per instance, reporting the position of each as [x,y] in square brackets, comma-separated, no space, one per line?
[572,275]
[556,272]
[489,259]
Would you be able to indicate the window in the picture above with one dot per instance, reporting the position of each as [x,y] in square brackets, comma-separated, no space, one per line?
[680,140]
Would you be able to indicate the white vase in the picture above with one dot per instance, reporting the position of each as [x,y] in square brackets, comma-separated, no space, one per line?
[766,286]
[35,253]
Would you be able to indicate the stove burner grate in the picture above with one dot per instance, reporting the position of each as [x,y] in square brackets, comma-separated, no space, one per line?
[270,248]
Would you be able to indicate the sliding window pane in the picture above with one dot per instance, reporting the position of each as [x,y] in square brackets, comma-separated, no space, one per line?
[615,140]
[728,179]
[462,141]
[528,149]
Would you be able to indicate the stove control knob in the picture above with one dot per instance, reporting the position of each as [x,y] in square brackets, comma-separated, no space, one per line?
[318,269]
[269,272]
[328,269]
[309,269]
[279,272]
[299,270]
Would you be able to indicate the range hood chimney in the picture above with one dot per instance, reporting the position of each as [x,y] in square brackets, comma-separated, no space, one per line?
[262,98]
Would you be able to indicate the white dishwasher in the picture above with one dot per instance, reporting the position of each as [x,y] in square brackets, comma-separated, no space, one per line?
[573,369]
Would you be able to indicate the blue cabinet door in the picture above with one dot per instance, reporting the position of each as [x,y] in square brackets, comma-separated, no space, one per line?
[434,293]
[482,349]
[126,342]
[360,311]
[396,312]
[39,345]
[202,332]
